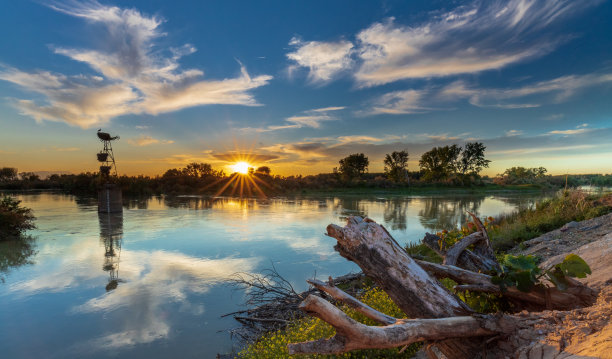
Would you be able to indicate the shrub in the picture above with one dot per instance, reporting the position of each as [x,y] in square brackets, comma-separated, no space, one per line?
[14,219]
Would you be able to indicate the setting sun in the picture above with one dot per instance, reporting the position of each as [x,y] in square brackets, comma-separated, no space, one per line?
[241,167]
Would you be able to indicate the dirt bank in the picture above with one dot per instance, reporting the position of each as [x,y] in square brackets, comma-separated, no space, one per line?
[581,333]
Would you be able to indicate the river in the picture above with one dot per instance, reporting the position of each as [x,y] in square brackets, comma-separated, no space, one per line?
[151,282]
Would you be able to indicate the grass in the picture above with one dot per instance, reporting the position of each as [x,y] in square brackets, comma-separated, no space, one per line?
[547,215]
[511,230]
[274,344]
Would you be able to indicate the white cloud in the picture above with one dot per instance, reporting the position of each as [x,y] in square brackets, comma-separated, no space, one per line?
[511,133]
[134,78]
[556,90]
[309,118]
[470,39]
[577,131]
[145,140]
[324,60]
[399,102]
[483,35]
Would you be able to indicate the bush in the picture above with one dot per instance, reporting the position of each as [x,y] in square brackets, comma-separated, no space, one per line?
[14,219]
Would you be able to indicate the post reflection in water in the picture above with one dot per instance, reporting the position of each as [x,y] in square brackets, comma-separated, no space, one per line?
[111,235]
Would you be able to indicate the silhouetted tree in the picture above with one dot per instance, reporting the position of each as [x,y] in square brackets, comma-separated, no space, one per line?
[264,170]
[29,176]
[353,165]
[396,165]
[440,162]
[473,158]
[198,170]
[8,174]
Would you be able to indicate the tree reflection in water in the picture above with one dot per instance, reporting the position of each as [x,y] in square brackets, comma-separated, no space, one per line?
[347,207]
[395,213]
[443,213]
[15,253]
[111,235]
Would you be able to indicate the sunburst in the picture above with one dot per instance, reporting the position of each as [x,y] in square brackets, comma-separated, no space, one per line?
[243,181]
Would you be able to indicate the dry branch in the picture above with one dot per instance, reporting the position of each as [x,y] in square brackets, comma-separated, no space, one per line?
[575,296]
[351,335]
[352,302]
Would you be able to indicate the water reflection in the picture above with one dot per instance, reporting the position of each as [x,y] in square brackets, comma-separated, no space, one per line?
[444,213]
[111,234]
[395,213]
[15,253]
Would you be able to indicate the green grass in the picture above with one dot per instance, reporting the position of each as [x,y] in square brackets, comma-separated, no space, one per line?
[547,215]
[274,345]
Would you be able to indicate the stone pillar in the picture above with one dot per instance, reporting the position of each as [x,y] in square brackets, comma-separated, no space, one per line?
[109,199]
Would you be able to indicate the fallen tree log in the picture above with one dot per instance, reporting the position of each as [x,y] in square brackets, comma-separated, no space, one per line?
[439,315]
[576,295]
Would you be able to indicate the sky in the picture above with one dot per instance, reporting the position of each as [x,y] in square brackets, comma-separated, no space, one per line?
[297,85]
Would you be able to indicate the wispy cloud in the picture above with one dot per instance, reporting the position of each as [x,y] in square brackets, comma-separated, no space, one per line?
[537,94]
[309,118]
[131,79]
[324,60]
[145,140]
[480,36]
[399,102]
[580,129]
[511,133]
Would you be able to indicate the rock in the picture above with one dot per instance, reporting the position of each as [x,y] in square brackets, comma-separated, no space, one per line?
[570,225]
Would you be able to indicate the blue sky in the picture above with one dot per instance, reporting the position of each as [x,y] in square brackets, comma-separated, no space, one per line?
[298,85]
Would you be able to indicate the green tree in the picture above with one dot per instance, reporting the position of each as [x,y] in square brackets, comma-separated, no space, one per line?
[14,219]
[396,165]
[354,165]
[440,162]
[473,158]
[521,175]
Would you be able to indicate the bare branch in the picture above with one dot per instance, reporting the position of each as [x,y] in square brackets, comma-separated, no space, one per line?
[352,302]
[453,253]
[351,335]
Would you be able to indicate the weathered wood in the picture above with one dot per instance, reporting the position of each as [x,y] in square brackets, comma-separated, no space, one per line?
[418,295]
[466,260]
[352,335]
[452,254]
[575,296]
[352,302]
[382,259]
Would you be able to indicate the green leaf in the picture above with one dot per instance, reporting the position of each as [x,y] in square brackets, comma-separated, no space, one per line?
[557,277]
[574,266]
[520,262]
[524,281]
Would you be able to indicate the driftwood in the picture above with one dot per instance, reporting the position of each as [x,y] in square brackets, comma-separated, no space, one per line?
[272,302]
[481,259]
[576,295]
[439,316]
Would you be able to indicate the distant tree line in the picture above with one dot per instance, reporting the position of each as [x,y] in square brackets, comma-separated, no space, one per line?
[450,165]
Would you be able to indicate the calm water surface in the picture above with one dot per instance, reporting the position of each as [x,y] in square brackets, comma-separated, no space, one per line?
[149,283]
